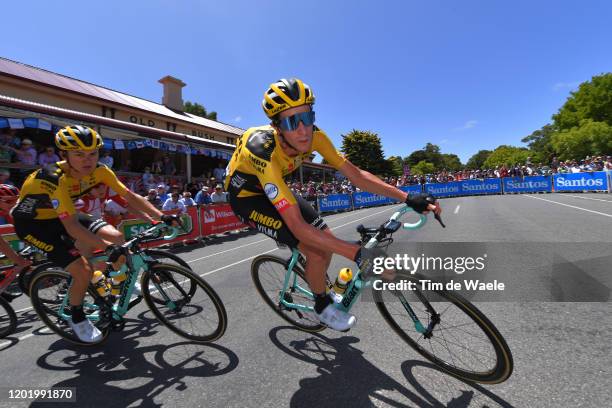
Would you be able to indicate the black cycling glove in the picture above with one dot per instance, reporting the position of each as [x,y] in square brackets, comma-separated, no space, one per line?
[169,219]
[420,202]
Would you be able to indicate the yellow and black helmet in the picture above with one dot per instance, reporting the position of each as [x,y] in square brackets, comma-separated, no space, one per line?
[78,137]
[286,94]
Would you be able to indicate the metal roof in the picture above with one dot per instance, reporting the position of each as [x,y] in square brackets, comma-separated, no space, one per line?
[28,72]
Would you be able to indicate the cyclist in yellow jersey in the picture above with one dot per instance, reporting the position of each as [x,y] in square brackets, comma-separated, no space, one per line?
[46,218]
[259,196]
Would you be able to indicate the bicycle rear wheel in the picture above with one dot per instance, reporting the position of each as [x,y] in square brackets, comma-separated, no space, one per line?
[8,318]
[268,274]
[463,341]
[197,315]
[26,275]
[48,292]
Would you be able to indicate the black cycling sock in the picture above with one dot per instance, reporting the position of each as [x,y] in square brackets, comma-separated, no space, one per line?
[77,313]
[322,300]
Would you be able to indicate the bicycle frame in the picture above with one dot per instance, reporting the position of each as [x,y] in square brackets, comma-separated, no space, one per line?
[356,285]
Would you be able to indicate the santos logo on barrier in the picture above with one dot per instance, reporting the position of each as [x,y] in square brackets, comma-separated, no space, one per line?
[485,187]
[339,202]
[443,189]
[581,182]
[527,184]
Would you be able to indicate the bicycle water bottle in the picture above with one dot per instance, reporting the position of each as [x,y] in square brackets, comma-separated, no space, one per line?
[116,282]
[342,281]
[99,282]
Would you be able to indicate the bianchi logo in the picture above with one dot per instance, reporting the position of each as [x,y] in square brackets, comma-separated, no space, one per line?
[271,190]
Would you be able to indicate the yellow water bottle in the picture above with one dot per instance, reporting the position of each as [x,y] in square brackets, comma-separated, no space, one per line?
[99,282]
[116,284]
[342,281]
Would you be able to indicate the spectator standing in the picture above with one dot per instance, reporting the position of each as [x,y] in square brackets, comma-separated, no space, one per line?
[187,200]
[168,168]
[608,163]
[161,193]
[202,197]
[154,199]
[48,157]
[174,203]
[107,159]
[148,179]
[554,164]
[219,172]
[218,196]
[26,154]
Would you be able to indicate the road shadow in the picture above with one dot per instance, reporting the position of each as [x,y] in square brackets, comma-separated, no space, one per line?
[347,378]
[123,372]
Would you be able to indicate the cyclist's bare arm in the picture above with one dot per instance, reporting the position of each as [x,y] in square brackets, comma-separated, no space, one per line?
[312,236]
[368,182]
[81,234]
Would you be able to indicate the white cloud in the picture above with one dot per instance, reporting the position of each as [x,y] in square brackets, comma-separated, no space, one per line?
[237,118]
[468,125]
[565,85]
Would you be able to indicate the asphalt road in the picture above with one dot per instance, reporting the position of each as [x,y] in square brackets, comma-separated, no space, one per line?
[552,251]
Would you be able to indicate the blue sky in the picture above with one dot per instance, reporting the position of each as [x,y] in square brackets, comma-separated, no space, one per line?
[466,75]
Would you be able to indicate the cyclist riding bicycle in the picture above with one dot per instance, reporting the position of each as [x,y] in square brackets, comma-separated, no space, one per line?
[259,196]
[46,218]
[8,197]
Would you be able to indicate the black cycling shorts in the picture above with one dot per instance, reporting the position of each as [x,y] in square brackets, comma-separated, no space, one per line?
[259,213]
[51,237]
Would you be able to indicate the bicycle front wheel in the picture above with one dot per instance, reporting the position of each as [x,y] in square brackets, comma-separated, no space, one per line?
[463,341]
[8,318]
[268,274]
[184,302]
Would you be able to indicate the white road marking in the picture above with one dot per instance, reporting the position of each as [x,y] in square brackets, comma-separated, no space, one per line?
[589,198]
[457,209]
[571,206]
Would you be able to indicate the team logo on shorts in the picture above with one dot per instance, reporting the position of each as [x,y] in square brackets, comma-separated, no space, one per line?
[271,190]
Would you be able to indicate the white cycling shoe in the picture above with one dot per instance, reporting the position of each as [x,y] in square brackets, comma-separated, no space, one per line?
[336,319]
[86,331]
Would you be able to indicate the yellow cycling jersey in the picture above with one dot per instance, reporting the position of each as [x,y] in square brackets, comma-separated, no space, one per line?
[50,192]
[259,164]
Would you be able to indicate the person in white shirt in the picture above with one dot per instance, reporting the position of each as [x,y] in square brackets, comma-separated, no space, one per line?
[219,172]
[187,200]
[218,196]
[173,203]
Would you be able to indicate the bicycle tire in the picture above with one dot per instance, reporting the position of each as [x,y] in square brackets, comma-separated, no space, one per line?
[161,255]
[25,276]
[162,273]
[8,318]
[257,270]
[499,372]
[43,280]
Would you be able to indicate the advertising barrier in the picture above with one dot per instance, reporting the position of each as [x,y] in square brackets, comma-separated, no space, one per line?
[444,189]
[594,181]
[529,184]
[414,189]
[334,202]
[364,199]
[481,186]
[218,218]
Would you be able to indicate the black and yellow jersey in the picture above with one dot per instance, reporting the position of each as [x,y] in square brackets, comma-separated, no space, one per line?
[50,192]
[259,164]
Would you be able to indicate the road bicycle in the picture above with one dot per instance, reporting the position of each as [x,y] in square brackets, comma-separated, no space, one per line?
[441,325]
[179,298]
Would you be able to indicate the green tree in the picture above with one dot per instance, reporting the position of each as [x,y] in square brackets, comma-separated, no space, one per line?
[508,155]
[477,161]
[396,166]
[451,162]
[199,110]
[540,142]
[590,138]
[364,149]
[592,100]
[430,153]
[423,167]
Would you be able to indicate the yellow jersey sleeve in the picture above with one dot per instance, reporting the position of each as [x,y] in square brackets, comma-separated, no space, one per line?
[108,177]
[61,200]
[325,147]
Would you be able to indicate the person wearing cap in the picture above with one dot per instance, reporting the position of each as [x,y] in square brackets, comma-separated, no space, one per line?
[26,154]
[161,192]
[218,196]
[203,197]
[187,200]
